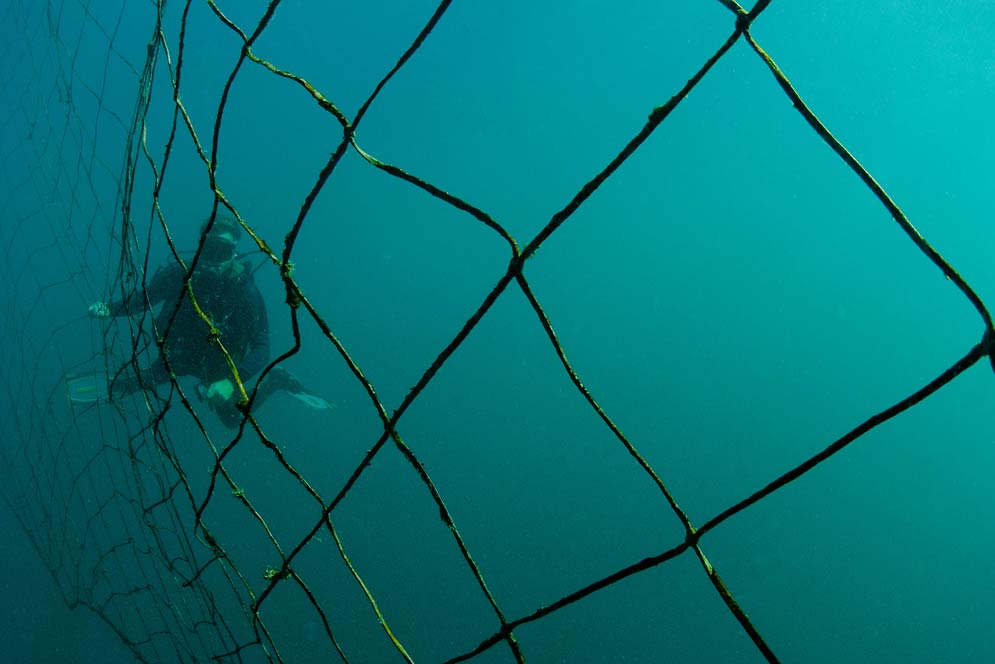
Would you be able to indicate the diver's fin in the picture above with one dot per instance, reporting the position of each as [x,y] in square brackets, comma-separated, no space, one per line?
[88,388]
[282,380]
[311,400]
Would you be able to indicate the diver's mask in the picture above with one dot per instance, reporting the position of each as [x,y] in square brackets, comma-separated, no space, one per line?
[218,250]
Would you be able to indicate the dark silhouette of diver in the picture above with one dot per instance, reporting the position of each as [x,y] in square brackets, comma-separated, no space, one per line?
[225,291]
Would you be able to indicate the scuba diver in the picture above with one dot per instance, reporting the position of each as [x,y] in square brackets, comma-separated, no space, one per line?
[225,291]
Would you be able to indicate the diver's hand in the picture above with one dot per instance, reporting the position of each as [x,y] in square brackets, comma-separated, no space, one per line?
[220,391]
[99,310]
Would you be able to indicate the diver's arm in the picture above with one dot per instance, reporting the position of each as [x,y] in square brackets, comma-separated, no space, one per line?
[164,283]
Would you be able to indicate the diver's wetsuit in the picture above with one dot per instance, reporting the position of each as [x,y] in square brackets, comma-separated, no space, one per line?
[233,303]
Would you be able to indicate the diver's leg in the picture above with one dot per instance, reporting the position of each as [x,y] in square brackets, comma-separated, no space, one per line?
[281,380]
[274,381]
[128,381]
[229,415]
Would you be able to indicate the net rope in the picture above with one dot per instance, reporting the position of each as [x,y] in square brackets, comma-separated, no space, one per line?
[108,496]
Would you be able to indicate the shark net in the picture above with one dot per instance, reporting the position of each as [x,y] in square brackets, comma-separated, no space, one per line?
[463,501]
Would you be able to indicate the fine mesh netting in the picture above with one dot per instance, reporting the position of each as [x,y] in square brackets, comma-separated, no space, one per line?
[404,523]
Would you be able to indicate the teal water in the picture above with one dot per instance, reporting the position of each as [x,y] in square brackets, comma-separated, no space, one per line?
[733,296]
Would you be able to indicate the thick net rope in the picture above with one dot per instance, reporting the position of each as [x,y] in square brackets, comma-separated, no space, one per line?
[150,514]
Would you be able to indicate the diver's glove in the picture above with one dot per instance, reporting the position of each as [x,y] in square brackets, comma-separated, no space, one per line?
[219,392]
[99,310]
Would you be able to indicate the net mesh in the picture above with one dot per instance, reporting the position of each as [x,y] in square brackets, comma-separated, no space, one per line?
[196,542]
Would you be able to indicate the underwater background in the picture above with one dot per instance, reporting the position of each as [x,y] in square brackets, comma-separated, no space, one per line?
[734,297]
